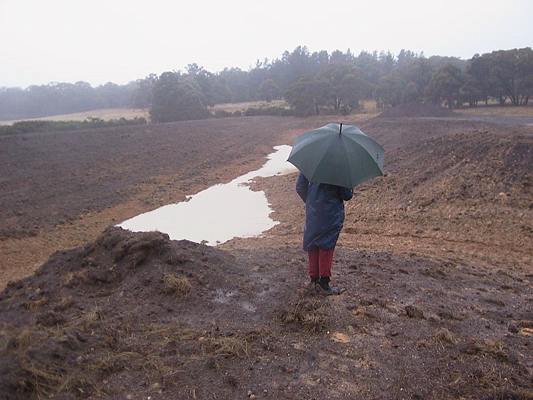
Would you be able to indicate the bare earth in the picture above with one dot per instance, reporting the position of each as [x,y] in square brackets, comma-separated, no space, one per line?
[60,190]
[436,258]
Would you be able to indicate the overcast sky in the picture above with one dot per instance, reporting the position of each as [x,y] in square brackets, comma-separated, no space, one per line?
[122,40]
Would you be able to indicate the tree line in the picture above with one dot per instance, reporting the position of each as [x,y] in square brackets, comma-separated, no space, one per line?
[62,98]
[310,82]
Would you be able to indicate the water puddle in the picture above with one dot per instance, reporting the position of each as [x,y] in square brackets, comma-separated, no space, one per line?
[220,212]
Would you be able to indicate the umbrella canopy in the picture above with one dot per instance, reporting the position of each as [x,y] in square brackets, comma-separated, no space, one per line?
[337,154]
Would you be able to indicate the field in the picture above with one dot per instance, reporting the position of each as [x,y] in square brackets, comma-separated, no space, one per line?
[496,110]
[436,257]
[232,107]
[105,114]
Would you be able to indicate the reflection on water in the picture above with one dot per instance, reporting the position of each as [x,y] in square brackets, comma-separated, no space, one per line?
[219,213]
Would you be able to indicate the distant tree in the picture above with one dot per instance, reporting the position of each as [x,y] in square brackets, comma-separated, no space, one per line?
[237,82]
[177,98]
[445,85]
[307,95]
[479,84]
[504,75]
[406,57]
[472,91]
[204,81]
[512,72]
[405,84]
[143,93]
[389,90]
[369,66]
[269,90]
[221,90]
[344,85]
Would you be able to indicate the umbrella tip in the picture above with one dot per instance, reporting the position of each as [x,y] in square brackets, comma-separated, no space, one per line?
[340,128]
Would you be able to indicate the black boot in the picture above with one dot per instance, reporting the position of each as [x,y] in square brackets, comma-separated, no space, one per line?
[313,285]
[326,288]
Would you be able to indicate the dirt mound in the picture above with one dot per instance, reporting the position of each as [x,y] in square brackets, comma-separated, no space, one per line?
[119,304]
[135,315]
[414,110]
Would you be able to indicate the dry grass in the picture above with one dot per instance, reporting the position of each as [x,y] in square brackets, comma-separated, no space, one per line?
[499,111]
[494,348]
[105,114]
[308,313]
[232,107]
[177,285]
[64,303]
[445,336]
[73,278]
[33,305]
[370,107]
[40,376]
[88,319]
[226,346]
[162,334]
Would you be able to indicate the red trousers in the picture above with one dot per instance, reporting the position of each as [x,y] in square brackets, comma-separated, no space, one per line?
[320,262]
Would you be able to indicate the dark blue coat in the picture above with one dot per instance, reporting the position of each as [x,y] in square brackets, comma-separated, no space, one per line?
[324,212]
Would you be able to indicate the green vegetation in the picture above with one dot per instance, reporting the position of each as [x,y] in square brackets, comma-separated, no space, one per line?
[177,97]
[54,126]
[62,98]
[311,83]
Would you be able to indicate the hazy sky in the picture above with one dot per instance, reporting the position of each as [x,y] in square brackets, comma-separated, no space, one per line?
[122,40]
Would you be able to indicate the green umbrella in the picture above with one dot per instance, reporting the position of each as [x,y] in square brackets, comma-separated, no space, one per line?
[337,154]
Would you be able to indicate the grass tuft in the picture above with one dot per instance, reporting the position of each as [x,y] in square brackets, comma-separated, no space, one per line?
[226,346]
[445,336]
[308,313]
[176,285]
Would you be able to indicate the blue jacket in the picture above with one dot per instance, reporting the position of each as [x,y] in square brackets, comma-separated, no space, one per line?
[324,212]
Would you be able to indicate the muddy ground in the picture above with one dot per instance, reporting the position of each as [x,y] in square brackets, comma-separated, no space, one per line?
[436,258]
[59,190]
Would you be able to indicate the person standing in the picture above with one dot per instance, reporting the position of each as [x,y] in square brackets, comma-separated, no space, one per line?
[324,217]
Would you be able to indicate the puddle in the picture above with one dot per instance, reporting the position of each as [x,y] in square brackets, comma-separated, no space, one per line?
[220,212]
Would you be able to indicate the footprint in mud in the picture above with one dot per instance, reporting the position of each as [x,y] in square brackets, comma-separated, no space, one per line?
[247,306]
[232,296]
[223,296]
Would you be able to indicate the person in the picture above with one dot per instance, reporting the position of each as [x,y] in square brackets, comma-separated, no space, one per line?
[324,217]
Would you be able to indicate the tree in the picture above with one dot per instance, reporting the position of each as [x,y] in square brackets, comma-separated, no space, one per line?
[345,87]
[445,85]
[204,81]
[269,90]
[143,93]
[389,90]
[177,98]
[478,83]
[307,95]
[237,82]
[512,72]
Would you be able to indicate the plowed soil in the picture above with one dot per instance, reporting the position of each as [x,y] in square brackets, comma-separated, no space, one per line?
[59,190]
[436,258]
